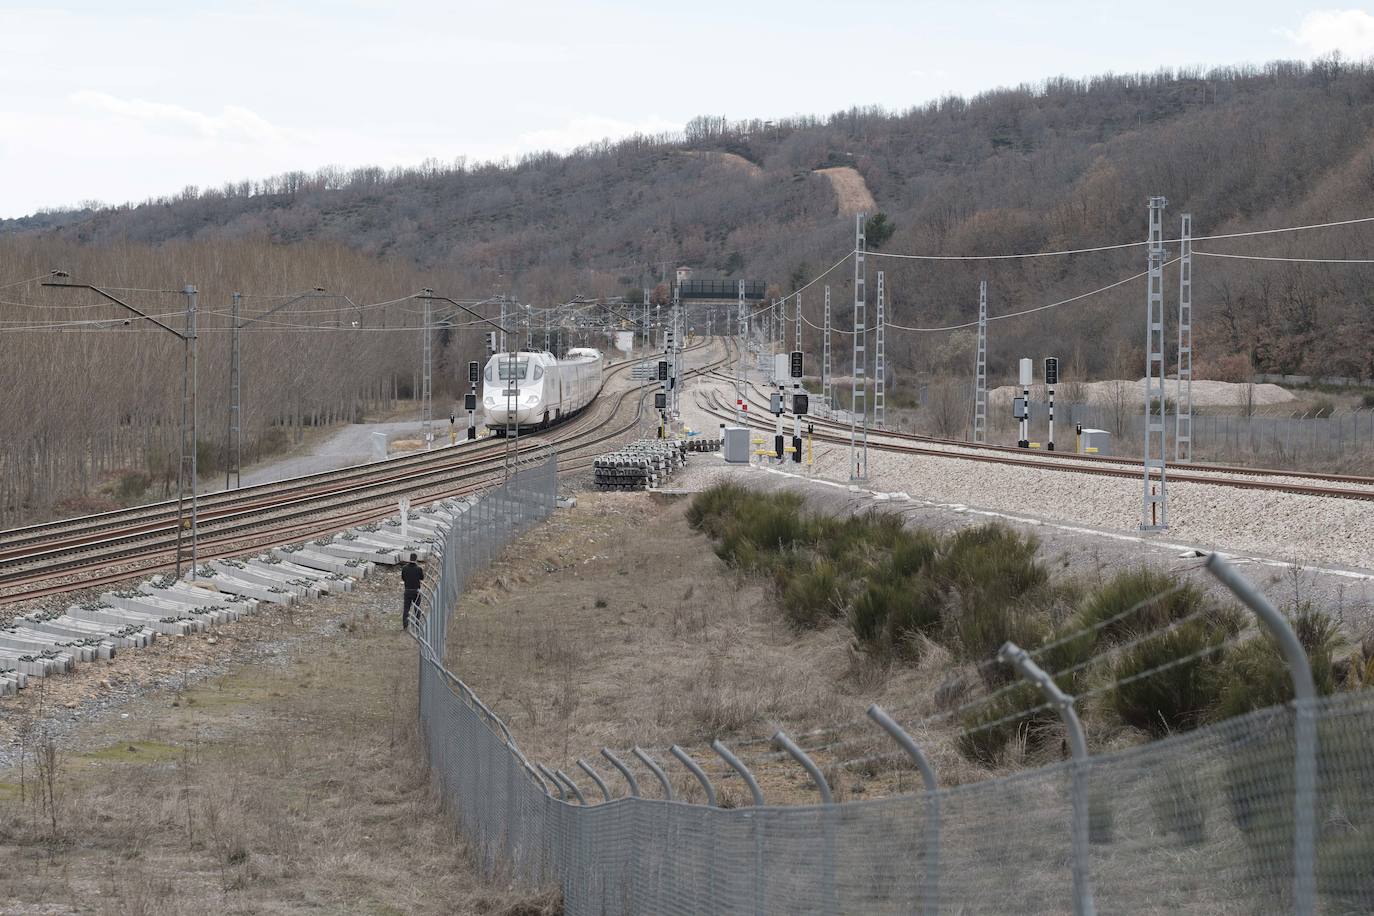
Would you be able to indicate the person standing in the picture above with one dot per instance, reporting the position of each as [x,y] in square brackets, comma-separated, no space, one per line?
[411,577]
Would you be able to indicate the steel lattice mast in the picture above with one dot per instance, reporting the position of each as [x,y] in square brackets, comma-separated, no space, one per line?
[858,411]
[980,368]
[1183,417]
[1154,513]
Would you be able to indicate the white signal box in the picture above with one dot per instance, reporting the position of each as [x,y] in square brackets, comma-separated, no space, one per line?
[781,367]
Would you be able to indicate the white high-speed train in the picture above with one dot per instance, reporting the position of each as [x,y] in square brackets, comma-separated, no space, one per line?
[539,389]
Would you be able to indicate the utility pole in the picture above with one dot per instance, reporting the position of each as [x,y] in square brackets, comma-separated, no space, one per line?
[1183,409]
[980,369]
[858,415]
[827,382]
[675,365]
[879,363]
[231,467]
[741,410]
[426,369]
[234,443]
[190,429]
[188,467]
[644,320]
[796,323]
[1154,513]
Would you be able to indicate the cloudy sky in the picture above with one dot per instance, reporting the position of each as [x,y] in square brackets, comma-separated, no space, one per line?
[122,101]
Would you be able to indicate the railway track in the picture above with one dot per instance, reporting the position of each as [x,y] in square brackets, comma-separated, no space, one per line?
[139,541]
[1332,486]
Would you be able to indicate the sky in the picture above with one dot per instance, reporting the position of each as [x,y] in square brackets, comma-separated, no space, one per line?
[120,102]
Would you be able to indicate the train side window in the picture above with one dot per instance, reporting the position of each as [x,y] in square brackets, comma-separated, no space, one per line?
[489,375]
[538,372]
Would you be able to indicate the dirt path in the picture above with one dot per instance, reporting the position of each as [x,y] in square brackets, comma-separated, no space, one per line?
[850,189]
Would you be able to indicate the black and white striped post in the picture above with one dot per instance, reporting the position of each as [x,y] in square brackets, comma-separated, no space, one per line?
[1051,379]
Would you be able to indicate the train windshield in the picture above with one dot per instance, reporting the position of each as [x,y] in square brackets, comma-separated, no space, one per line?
[503,369]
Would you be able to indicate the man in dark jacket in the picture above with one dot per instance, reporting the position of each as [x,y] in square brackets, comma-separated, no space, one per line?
[411,576]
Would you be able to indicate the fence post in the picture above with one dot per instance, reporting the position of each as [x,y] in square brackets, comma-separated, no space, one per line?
[828,890]
[624,771]
[657,770]
[696,771]
[1014,655]
[567,780]
[562,796]
[596,778]
[738,766]
[930,889]
[1304,730]
[713,905]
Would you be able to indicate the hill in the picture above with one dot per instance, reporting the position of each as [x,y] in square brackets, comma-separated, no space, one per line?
[1063,164]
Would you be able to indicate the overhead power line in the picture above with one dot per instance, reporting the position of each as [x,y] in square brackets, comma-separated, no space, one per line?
[1099,248]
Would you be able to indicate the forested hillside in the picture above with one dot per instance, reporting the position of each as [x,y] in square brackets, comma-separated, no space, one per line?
[1067,164]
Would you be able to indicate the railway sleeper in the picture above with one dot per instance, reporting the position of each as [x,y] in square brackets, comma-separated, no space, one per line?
[101,646]
[237,569]
[140,603]
[241,586]
[313,559]
[42,663]
[197,594]
[381,542]
[191,603]
[347,551]
[326,582]
[163,626]
[21,640]
[130,636]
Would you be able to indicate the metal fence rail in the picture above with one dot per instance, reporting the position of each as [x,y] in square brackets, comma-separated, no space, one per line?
[1200,822]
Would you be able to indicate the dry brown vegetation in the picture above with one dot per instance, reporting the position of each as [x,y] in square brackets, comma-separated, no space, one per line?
[277,788]
[92,415]
[615,625]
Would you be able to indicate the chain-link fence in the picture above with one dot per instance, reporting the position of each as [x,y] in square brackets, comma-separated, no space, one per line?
[1264,813]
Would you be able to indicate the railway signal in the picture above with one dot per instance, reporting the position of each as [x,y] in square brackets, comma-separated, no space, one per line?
[1021,406]
[1051,379]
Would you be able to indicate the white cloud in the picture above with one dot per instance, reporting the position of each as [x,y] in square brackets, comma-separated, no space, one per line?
[1351,32]
[234,123]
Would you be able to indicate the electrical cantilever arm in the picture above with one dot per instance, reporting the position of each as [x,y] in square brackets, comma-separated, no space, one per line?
[119,302]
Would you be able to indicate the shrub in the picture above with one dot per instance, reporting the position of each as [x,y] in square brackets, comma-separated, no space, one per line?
[986,743]
[992,557]
[981,620]
[1147,595]
[993,573]
[887,613]
[912,553]
[130,485]
[709,507]
[1180,696]
[1256,674]
[813,597]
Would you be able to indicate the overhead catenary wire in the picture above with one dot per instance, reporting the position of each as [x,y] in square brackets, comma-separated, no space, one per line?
[1015,256]
[1257,257]
[22,282]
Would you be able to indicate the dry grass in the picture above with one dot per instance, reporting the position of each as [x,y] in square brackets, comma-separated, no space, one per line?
[616,625]
[275,789]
